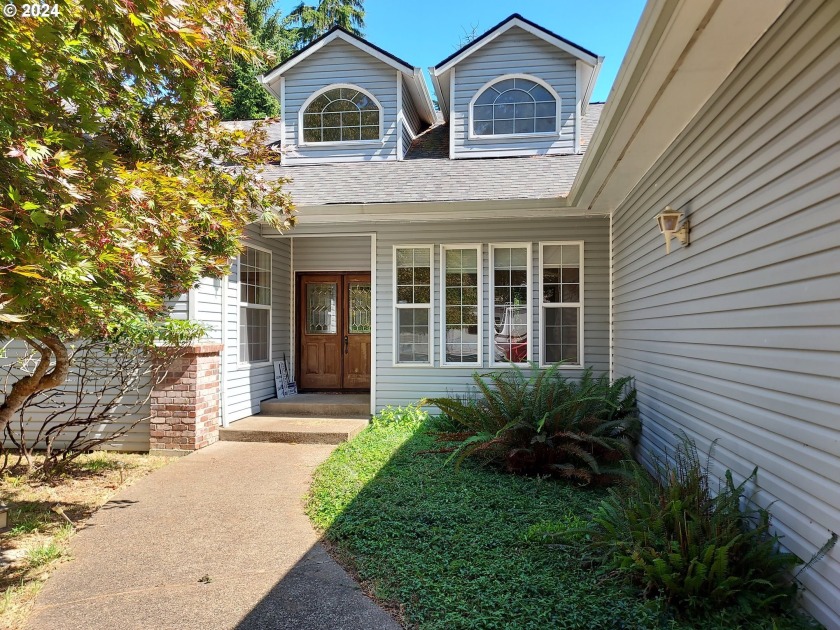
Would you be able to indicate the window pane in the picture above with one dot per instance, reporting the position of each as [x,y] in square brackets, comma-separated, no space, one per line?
[503,126]
[519,106]
[254,334]
[413,339]
[413,271]
[483,128]
[545,124]
[510,305]
[546,109]
[360,308]
[341,115]
[321,308]
[483,112]
[255,277]
[524,110]
[560,331]
[461,304]
[487,97]
[524,126]
[539,93]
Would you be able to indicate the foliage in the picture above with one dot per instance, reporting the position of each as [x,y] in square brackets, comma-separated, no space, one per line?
[445,547]
[307,22]
[410,416]
[119,187]
[544,423]
[702,550]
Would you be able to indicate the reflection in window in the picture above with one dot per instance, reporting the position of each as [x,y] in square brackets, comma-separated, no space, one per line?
[514,106]
[461,305]
[510,304]
[254,306]
[341,115]
[562,303]
[321,308]
[413,272]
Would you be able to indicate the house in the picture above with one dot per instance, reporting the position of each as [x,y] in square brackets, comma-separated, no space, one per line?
[518,223]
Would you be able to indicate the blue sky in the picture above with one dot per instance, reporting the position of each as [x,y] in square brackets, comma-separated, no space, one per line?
[425,32]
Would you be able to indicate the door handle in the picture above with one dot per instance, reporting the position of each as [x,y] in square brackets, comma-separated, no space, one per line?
[346,344]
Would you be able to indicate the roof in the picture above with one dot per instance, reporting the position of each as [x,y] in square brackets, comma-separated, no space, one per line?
[318,41]
[428,175]
[482,39]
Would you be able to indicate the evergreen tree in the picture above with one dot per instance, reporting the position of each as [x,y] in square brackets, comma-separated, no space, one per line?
[308,22]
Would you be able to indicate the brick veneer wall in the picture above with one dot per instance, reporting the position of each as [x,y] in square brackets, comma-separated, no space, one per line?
[185,405]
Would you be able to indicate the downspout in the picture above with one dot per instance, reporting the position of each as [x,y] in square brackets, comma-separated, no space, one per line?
[223,416]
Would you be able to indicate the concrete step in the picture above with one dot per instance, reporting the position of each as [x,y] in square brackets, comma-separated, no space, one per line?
[294,430]
[318,405]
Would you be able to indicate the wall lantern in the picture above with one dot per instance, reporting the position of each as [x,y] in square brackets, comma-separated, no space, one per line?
[668,221]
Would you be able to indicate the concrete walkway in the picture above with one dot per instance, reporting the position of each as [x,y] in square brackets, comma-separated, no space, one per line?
[216,540]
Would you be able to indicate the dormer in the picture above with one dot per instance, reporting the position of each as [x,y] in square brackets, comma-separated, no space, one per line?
[342,99]
[517,90]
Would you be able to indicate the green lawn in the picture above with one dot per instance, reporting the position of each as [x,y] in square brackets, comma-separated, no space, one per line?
[448,547]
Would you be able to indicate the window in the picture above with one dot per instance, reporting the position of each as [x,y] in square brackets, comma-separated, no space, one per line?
[254,306]
[510,278]
[514,106]
[461,304]
[561,309]
[413,304]
[341,114]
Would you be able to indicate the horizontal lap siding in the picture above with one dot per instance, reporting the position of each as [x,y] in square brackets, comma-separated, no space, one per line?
[737,337]
[136,439]
[179,307]
[405,384]
[248,385]
[332,253]
[515,52]
[339,62]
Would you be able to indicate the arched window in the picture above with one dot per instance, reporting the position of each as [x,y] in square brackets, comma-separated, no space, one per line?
[513,106]
[341,114]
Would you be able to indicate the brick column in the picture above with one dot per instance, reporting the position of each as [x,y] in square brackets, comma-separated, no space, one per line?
[185,406]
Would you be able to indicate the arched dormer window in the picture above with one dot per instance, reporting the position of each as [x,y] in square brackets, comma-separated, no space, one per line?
[514,105]
[341,113]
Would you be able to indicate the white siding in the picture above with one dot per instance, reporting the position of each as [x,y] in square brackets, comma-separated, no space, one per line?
[340,62]
[179,306]
[514,52]
[332,253]
[737,337]
[410,111]
[404,384]
[248,385]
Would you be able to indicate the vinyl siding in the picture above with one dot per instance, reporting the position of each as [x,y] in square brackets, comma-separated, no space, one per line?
[248,385]
[179,307]
[514,52]
[410,111]
[340,62]
[332,253]
[136,439]
[737,337]
[400,385]
[406,138]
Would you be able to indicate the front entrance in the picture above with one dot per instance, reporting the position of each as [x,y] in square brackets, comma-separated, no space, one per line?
[333,331]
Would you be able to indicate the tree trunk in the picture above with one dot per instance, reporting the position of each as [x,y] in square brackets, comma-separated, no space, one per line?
[51,349]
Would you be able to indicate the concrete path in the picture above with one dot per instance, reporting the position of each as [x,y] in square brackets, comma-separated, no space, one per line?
[216,540]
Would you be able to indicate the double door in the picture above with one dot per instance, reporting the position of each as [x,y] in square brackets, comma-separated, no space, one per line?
[334,324]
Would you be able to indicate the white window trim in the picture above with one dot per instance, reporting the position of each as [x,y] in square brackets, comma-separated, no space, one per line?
[240,304]
[480,336]
[578,305]
[430,306]
[343,143]
[528,303]
[540,134]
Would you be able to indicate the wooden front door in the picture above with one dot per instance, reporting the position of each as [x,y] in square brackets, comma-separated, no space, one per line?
[334,324]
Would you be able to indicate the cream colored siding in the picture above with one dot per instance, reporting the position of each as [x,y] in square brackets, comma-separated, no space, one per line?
[514,52]
[737,337]
[332,253]
[248,385]
[400,385]
[137,438]
[340,62]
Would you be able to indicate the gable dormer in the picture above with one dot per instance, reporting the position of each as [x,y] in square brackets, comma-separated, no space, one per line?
[519,89]
[343,99]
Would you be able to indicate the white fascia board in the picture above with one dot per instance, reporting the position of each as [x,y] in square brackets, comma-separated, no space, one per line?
[284,67]
[592,60]
[590,76]
[443,99]
[419,91]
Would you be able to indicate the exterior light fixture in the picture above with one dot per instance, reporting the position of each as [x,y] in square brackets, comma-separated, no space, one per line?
[669,225]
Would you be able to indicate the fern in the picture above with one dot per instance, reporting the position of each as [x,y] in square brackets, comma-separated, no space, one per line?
[543,423]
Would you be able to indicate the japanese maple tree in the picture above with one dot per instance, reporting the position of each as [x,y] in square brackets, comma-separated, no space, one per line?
[118,187]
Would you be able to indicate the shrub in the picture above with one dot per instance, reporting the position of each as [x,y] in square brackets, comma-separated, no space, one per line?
[544,423]
[672,535]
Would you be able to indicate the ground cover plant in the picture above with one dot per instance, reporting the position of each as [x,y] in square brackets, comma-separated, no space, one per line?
[448,547]
[44,513]
[540,422]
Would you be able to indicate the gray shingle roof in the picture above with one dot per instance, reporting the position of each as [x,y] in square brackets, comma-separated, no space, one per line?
[427,174]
